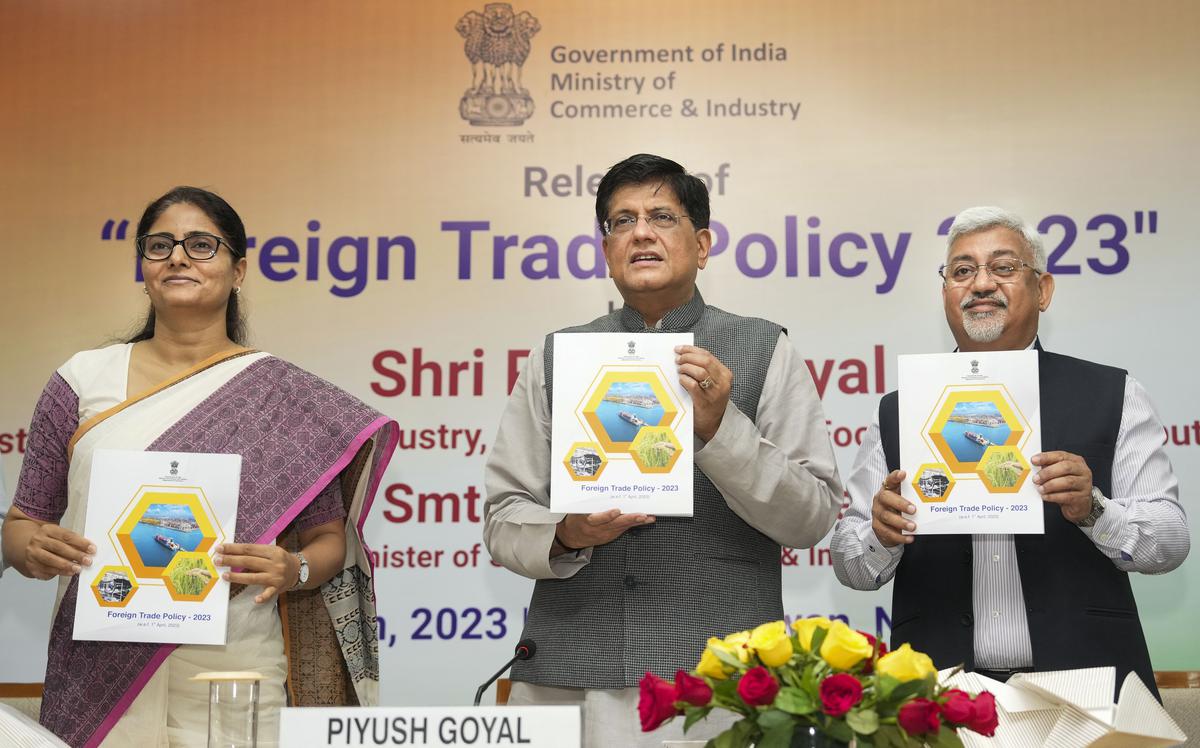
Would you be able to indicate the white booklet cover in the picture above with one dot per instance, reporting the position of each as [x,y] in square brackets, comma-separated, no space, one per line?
[622,425]
[155,518]
[969,425]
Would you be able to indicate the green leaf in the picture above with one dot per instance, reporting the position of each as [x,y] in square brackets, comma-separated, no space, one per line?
[888,737]
[778,737]
[729,659]
[818,638]
[864,723]
[887,684]
[795,701]
[694,716]
[904,691]
[732,738]
[773,719]
[791,677]
[725,692]
[946,738]
[839,730]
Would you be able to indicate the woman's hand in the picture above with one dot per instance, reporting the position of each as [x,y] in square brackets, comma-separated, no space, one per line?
[277,570]
[269,566]
[48,550]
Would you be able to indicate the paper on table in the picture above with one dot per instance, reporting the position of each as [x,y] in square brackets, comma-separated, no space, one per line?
[1089,688]
[1139,713]
[1025,719]
[1071,708]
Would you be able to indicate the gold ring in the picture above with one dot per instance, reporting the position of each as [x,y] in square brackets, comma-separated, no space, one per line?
[706,383]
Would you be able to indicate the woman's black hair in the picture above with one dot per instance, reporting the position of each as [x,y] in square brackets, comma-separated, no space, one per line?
[227,221]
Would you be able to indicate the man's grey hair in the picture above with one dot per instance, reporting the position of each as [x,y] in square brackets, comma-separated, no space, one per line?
[987,217]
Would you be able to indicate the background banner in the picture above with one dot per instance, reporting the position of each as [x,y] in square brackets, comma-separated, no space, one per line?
[417,181]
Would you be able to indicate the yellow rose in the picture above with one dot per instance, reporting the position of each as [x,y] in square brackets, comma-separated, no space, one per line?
[905,664]
[709,665]
[806,627]
[739,645]
[844,647]
[734,644]
[771,643]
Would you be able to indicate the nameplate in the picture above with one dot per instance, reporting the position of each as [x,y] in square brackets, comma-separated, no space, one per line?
[478,727]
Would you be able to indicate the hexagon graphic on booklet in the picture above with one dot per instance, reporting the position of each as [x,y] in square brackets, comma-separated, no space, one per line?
[162,523]
[585,462]
[655,449]
[970,421]
[114,586]
[1003,469]
[190,576]
[933,482]
[622,402]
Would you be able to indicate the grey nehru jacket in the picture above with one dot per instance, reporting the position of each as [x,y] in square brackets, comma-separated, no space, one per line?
[650,599]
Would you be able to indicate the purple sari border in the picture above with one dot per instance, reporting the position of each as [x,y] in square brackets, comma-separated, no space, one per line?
[389,450]
[118,711]
[337,467]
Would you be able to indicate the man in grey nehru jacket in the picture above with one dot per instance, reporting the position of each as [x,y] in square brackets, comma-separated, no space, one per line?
[618,595]
[1003,603]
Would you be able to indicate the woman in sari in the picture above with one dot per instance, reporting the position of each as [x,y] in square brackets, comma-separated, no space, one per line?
[302,607]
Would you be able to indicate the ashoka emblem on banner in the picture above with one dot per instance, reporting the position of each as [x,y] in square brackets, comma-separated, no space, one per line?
[497,44]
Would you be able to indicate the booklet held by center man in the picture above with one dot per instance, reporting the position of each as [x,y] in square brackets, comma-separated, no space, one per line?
[621,434]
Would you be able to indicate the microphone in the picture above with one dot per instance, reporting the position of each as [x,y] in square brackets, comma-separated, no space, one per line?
[526,648]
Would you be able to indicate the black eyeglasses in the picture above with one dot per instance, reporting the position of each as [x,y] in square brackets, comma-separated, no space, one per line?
[158,247]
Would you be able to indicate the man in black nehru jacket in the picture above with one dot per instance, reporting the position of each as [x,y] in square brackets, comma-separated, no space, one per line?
[1003,603]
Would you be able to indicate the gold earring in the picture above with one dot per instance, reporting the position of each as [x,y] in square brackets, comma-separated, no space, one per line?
[237,290]
[145,290]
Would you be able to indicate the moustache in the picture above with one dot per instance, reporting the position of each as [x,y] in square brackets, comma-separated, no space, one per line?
[995,297]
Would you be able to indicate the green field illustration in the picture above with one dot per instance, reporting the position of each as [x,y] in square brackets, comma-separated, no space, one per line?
[1003,468]
[189,576]
[655,447]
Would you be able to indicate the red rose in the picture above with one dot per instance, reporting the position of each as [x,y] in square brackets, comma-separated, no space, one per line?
[985,720]
[691,689]
[840,692]
[957,708]
[881,646]
[757,687]
[656,703]
[919,716]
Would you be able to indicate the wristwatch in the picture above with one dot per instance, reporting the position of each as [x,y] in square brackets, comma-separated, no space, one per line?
[303,578]
[1098,502]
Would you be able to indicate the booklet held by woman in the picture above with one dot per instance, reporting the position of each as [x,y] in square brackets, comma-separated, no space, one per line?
[155,518]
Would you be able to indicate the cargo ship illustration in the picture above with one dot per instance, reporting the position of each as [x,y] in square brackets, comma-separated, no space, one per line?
[163,540]
[978,439]
[631,418]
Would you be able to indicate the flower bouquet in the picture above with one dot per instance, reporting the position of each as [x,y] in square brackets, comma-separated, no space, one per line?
[821,684]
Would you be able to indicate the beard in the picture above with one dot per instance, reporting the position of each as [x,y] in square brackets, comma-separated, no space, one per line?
[985,327]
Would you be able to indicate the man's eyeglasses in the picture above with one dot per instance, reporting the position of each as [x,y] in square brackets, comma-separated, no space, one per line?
[1001,270]
[158,247]
[624,224]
